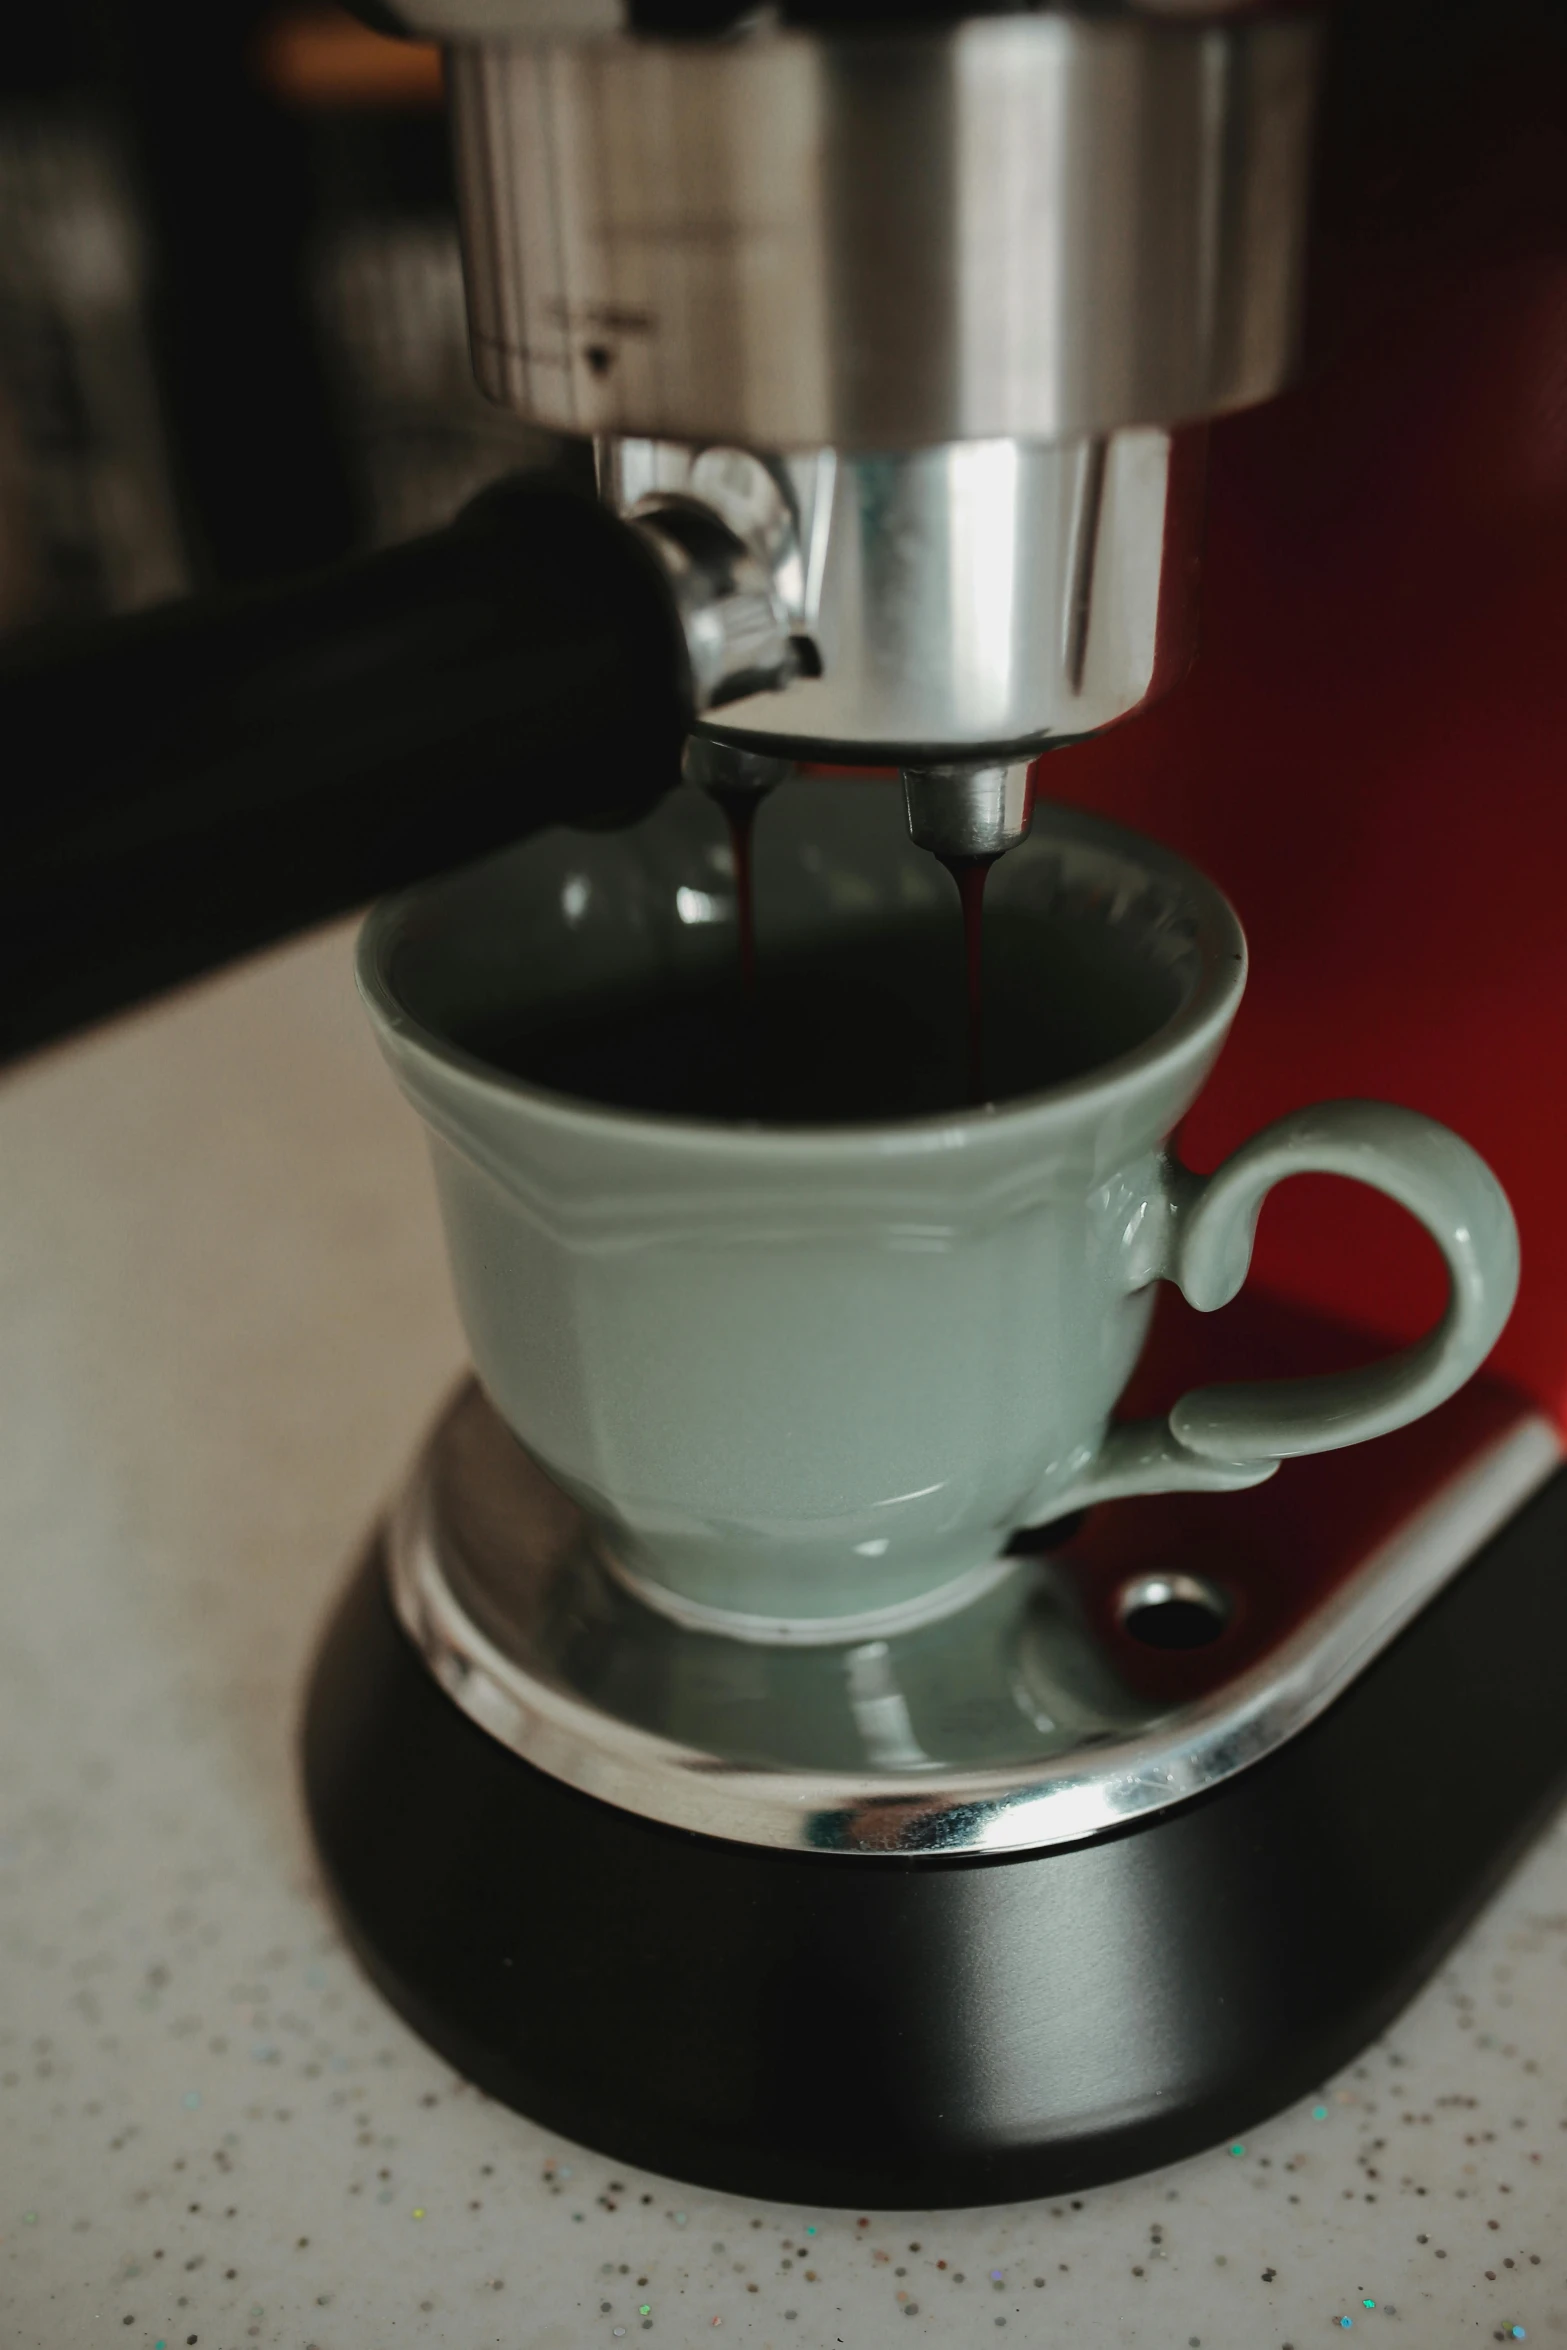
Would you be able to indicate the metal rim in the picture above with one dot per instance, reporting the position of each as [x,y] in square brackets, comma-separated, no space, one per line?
[947,1813]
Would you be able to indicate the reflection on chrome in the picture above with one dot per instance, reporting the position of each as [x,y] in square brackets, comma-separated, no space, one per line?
[496,1584]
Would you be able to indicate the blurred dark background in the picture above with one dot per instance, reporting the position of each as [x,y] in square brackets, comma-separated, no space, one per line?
[232,341]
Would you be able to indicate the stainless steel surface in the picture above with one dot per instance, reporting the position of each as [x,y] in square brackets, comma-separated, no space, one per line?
[728,772]
[1006,1727]
[1145,1592]
[1042,226]
[986,597]
[738,639]
[965,812]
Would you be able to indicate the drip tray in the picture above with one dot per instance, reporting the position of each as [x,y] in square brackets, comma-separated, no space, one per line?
[1125,1663]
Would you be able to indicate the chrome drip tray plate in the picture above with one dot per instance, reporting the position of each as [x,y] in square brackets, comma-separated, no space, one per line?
[1157,1649]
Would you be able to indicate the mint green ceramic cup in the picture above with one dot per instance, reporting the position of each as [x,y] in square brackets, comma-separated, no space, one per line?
[803,1378]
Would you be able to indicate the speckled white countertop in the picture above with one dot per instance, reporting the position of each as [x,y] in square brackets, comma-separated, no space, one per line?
[223,1323]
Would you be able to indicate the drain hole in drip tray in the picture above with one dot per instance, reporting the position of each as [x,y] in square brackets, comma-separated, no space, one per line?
[1172,1611]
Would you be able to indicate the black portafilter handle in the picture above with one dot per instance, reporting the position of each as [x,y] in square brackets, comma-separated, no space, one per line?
[186,784]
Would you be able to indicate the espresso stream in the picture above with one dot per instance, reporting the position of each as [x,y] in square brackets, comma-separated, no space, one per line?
[902,1014]
[866,1025]
[971,874]
[739,809]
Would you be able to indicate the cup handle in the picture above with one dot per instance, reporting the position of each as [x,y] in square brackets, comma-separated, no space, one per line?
[1219,1439]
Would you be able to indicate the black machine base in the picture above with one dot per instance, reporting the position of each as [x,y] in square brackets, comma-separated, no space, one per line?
[907,2033]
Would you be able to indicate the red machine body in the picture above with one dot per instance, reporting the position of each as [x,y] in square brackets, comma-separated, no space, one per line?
[1370,755]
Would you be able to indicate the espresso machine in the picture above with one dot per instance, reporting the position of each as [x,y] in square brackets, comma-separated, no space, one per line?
[896,333]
